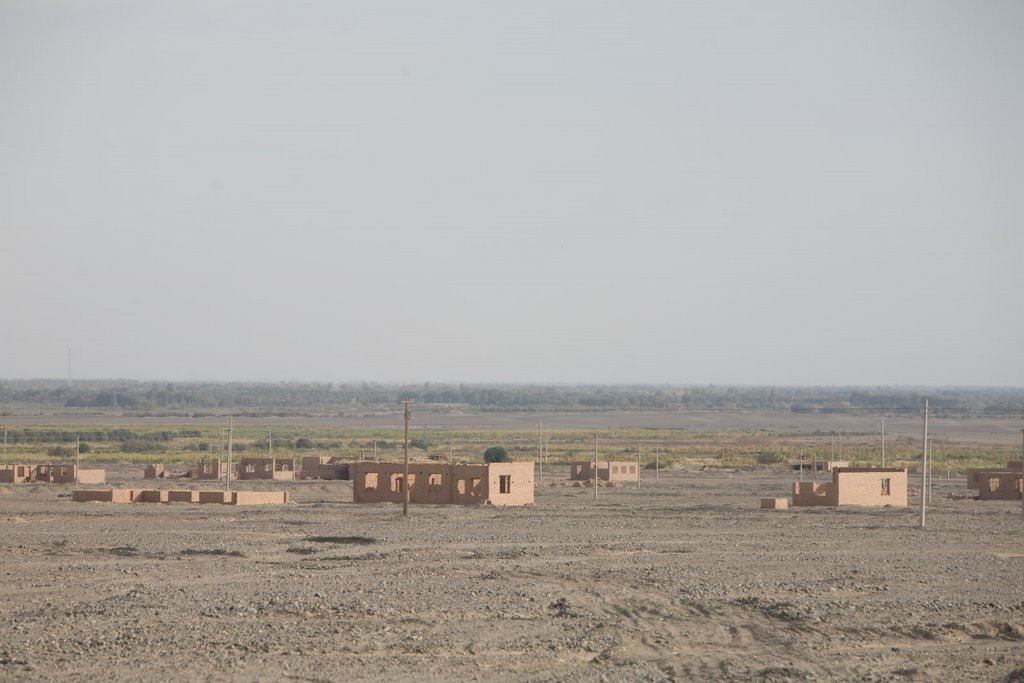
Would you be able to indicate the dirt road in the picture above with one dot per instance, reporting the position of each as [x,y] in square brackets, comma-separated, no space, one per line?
[682,580]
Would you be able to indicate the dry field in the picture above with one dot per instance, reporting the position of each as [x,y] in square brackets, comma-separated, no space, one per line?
[684,579]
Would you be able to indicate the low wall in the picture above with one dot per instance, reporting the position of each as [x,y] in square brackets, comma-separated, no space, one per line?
[186,496]
[92,476]
[811,493]
[259,497]
[183,496]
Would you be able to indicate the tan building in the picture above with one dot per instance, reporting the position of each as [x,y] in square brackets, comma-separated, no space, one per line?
[324,467]
[266,468]
[50,474]
[868,486]
[583,470]
[497,483]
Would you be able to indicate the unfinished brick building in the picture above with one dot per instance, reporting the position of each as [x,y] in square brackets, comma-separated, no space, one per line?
[974,478]
[266,468]
[213,470]
[155,472]
[497,483]
[999,485]
[583,470]
[50,474]
[868,486]
[324,467]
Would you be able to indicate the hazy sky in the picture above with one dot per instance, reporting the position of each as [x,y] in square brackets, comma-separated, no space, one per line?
[560,191]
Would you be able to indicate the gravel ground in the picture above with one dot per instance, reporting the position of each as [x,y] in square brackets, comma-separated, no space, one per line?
[685,579]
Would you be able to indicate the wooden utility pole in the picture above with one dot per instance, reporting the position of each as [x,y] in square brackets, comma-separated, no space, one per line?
[227,475]
[639,450]
[657,464]
[405,479]
[78,458]
[595,466]
[924,460]
[540,449]
[883,442]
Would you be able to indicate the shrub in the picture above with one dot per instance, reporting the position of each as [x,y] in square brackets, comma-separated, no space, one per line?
[769,458]
[496,454]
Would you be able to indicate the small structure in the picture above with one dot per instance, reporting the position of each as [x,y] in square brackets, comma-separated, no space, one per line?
[16,474]
[868,486]
[820,465]
[999,485]
[583,470]
[775,503]
[50,474]
[496,483]
[324,467]
[974,475]
[184,496]
[266,468]
[212,470]
[155,472]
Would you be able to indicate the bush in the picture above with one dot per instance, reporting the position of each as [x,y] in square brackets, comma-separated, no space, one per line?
[769,458]
[496,454]
[84,447]
[303,442]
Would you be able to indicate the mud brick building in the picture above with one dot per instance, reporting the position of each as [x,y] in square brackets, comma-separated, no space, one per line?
[497,483]
[975,478]
[324,467]
[583,470]
[266,468]
[999,485]
[155,472]
[50,474]
[869,486]
[212,470]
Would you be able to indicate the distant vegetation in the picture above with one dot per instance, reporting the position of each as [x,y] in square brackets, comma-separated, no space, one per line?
[258,399]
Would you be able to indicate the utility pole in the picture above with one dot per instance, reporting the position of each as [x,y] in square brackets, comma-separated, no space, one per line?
[1021,466]
[375,451]
[227,475]
[801,465]
[657,465]
[5,442]
[405,479]
[595,466]
[78,457]
[924,460]
[639,450]
[540,448]
[883,442]
[270,437]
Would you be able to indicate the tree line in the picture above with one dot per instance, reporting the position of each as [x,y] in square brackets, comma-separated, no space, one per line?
[299,398]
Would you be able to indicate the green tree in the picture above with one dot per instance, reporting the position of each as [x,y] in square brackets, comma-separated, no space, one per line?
[496,454]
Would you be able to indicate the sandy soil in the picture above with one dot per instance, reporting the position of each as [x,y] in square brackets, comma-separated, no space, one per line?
[684,579]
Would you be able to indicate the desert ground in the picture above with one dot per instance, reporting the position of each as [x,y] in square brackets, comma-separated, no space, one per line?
[683,579]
